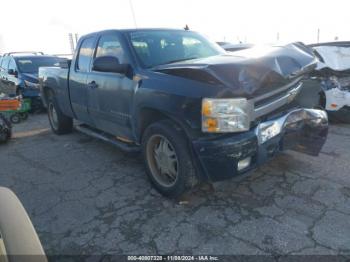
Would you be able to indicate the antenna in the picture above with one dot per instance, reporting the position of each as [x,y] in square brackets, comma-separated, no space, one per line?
[133,12]
[71,42]
[76,38]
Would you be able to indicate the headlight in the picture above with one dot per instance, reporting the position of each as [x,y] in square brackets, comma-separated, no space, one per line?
[30,84]
[226,115]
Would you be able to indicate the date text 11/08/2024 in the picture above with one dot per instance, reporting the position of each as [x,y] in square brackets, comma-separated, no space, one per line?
[173,258]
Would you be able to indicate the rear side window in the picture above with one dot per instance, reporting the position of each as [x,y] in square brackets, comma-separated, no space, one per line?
[5,63]
[109,45]
[12,65]
[32,64]
[85,54]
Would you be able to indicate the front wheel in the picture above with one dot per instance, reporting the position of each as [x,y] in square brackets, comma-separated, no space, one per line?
[60,123]
[5,129]
[5,135]
[168,159]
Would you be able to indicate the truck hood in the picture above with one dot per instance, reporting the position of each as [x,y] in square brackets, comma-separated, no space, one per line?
[33,78]
[249,72]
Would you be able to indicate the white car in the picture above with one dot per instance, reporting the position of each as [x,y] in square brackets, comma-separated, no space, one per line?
[333,72]
[234,47]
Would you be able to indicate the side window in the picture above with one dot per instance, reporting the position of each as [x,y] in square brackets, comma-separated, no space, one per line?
[12,65]
[4,64]
[109,45]
[85,54]
[0,63]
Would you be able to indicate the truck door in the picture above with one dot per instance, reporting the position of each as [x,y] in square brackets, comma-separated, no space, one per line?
[111,93]
[78,89]
[1,73]
[4,75]
[12,80]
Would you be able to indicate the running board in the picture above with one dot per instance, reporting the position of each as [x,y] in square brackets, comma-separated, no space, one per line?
[130,148]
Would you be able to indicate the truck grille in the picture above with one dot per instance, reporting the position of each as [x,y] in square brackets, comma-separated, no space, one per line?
[271,101]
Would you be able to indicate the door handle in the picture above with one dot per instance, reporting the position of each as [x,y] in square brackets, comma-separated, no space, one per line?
[93,85]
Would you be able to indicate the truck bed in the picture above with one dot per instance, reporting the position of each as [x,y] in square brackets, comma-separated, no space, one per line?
[57,79]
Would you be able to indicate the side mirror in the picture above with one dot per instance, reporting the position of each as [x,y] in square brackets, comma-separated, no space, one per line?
[109,64]
[12,72]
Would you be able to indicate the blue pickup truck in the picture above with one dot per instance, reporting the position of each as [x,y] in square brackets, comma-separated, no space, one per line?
[19,74]
[195,112]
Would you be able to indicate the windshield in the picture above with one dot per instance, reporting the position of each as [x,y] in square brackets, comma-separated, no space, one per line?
[155,48]
[31,65]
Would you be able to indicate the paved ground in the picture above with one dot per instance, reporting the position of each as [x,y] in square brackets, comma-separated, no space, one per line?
[86,197]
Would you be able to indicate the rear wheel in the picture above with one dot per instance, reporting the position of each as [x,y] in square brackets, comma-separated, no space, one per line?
[167,159]
[340,116]
[23,115]
[15,118]
[60,123]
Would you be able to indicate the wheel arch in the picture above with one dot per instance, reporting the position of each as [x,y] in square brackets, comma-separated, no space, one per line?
[46,90]
[150,115]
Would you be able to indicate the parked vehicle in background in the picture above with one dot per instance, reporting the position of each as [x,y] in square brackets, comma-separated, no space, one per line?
[332,78]
[19,74]
[194,111]
[235,47]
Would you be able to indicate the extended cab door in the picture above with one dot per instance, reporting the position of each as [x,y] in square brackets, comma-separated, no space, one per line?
[78,89]
[12,80]
[111,93]
[1,73]
[4,76]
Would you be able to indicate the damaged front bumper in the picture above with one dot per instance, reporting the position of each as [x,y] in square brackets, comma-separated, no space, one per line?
[303,130]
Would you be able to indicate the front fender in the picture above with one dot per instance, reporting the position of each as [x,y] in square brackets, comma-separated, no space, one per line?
[185,111]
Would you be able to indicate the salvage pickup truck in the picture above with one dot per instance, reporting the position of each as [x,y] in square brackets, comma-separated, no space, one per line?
[195,112]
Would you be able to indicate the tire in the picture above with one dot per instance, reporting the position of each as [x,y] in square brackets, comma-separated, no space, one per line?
[24,116]
[15,118]
[341,116]
[164,142]
[60,123]
[5,136]
[5,130]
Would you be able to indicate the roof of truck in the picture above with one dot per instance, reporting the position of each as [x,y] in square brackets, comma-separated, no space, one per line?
[134,30]
[33,56]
